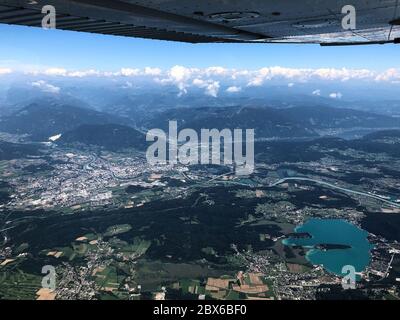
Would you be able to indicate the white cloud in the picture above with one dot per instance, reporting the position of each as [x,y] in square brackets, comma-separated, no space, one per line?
[45,87]
[152,71]
[5,71]
[286,72]
[342,74]
[235,74]
[212,78]
[82,74]
[128,72]
[55,72]
[212,89]
[199,83]
[61,72]
[180,74]
[258,77]
[234,89]
[392,75]
[270,73]
[335,95]
[256,82]
[216,71]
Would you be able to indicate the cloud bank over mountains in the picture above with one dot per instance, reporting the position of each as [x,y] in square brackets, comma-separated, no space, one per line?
[213,79]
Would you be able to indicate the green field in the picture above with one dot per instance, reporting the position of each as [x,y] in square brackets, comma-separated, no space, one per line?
[18,285]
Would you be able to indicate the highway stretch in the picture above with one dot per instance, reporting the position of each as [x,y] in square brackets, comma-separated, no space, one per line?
[330,185]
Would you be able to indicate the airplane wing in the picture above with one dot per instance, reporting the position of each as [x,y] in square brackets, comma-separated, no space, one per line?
[207,21]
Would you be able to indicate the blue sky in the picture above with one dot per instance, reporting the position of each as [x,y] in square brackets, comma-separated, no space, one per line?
[22,47]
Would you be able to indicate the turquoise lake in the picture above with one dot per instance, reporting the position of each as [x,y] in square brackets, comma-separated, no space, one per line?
[334,231]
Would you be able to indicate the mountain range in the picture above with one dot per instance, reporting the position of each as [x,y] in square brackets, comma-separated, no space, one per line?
[74,124]
[295,122]
[44,120]
[112,137]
